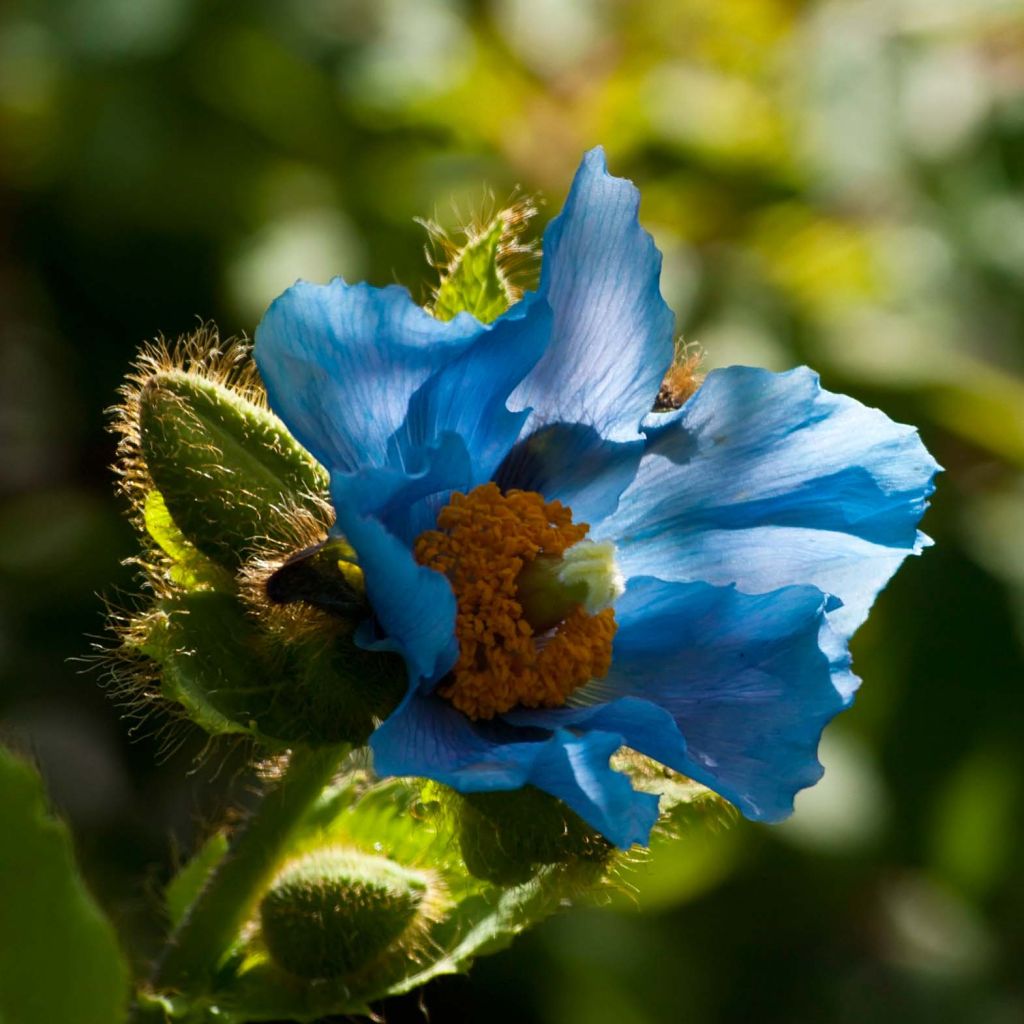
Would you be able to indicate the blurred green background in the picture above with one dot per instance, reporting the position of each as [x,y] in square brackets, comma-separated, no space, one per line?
[834,183]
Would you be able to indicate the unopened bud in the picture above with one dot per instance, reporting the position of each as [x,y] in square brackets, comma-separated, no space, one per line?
[333,912]
[220,462]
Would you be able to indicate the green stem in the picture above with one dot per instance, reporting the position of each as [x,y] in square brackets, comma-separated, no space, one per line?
[198,945]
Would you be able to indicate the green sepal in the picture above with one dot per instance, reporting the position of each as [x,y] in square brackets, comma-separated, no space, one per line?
[474,282]
[222,464]
[332,912]
[59,957]
[506,837]
[229,676]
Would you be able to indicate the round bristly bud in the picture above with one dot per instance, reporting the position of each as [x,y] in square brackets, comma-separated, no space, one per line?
[333,912]
[506,837]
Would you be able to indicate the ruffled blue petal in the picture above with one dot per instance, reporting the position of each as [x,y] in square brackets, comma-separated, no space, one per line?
[428,737]
[765,480]
[641,724]
[341,362]
[467,398]
[743,677]
[612,335]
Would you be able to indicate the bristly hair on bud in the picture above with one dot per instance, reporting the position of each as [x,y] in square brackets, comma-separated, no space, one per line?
[204,464]
[221,495]
[205,354]
[682,378]
[337,912]
[131,679]
[306,528]
[487,270]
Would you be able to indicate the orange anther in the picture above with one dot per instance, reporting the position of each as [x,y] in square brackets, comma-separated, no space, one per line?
[482,541]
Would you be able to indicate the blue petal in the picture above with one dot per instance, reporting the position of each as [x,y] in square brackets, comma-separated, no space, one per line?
[403,409]
[744,678]
[341,362]
[765,480]
[414,606]
[402,496]
[428,737]
[612,336]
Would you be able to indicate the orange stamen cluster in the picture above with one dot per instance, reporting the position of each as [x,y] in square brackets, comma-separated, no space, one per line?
[482,541]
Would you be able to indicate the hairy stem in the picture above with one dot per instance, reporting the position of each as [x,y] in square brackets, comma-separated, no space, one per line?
[209,929]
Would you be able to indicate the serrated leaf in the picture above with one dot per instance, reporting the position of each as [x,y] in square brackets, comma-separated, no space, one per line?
[474,282]
[59,958]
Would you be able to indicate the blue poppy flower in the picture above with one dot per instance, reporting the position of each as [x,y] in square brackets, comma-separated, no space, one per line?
[750,529]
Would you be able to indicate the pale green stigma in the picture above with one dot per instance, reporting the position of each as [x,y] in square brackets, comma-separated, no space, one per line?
[584,576]
[590,566]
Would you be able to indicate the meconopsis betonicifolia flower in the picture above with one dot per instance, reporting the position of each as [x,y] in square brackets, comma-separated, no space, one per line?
[567,572]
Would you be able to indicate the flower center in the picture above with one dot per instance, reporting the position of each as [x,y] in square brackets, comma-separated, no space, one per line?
[532,622]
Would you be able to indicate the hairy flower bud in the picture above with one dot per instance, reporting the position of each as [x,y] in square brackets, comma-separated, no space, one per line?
[333,912]
[221,462]
[227,676]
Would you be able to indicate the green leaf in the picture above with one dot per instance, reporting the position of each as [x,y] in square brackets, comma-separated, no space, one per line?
[59,959]
[223,465]
[474,282]
[189,881]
